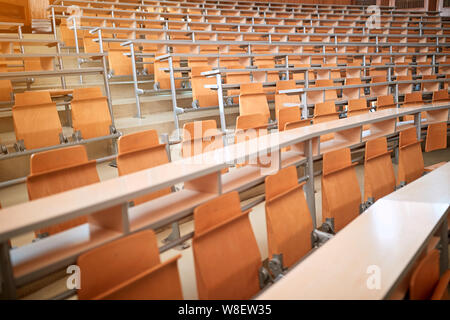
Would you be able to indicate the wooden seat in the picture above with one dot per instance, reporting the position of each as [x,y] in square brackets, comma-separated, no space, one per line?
[226,254]
[401,69]
[36,120]
[380,90]
[425,282]
[38,64]
[237,78]
[139,151]
[341,196]
[354,72]
[289,115]
[330,94]
[410,163]
[301,75]
[6,90]
[119,64]
[162,78]
[282,99]
[404,88]
[129,269]
[289,223]
[199,137]
[430,86]
[253,100]
[379,177]
[357,107]
[352,93]
[203,97]
[61,170]
[250,126]
[385,102]
[436,137]
[441,95]
[413,99]
[324,112]
[90,113]
[378,72]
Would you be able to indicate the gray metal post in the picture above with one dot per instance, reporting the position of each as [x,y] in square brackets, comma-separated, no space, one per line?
[444,246]
[135,81]
[304,98]
[174,98]
[417,124]
[6,273]
[175,234]
[77,48]
[223,125]
[105,78]
[310,197]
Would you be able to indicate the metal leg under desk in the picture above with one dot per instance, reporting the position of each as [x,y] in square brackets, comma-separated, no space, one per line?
[444,245]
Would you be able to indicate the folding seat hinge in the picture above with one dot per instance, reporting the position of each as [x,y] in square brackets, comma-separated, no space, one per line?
[19,146]
[156,86]
[229,102]
[328,226]
[3,149]
[195,104]
[112,129]
[401,185]
[318,238]
[76,136]
[264,277]
[179,110]
[276,265]
[62,139]
[370,201]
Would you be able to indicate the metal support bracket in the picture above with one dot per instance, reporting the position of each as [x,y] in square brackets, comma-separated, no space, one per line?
[264,277]
[276,266]
[19,146]
[318,238]
[328,226]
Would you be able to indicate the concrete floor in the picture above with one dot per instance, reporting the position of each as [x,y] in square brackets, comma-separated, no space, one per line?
[18,193]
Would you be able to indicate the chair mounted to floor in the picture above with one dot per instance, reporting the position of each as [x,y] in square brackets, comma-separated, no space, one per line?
[226,254]
[324,112]
[139,151]
[61,170]
[252,99]
[201,96]
[426,283]
[341,196]
[386,102]
[36,121]
[410,160]
[129,269]
[91,117]
[281,100]
[289,223]
[379,176]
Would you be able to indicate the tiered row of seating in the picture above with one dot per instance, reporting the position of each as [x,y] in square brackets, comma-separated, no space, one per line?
[226,255]
[164,41]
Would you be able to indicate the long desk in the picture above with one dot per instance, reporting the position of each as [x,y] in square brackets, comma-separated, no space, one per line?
[388,237]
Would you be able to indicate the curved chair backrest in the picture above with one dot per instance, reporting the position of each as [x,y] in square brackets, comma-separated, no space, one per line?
[425,277]
[129,268]
[139,151]
[57,171]
[338,175]
[90,113]
[379,176]
[226,254]
[36,120]
[289,222]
